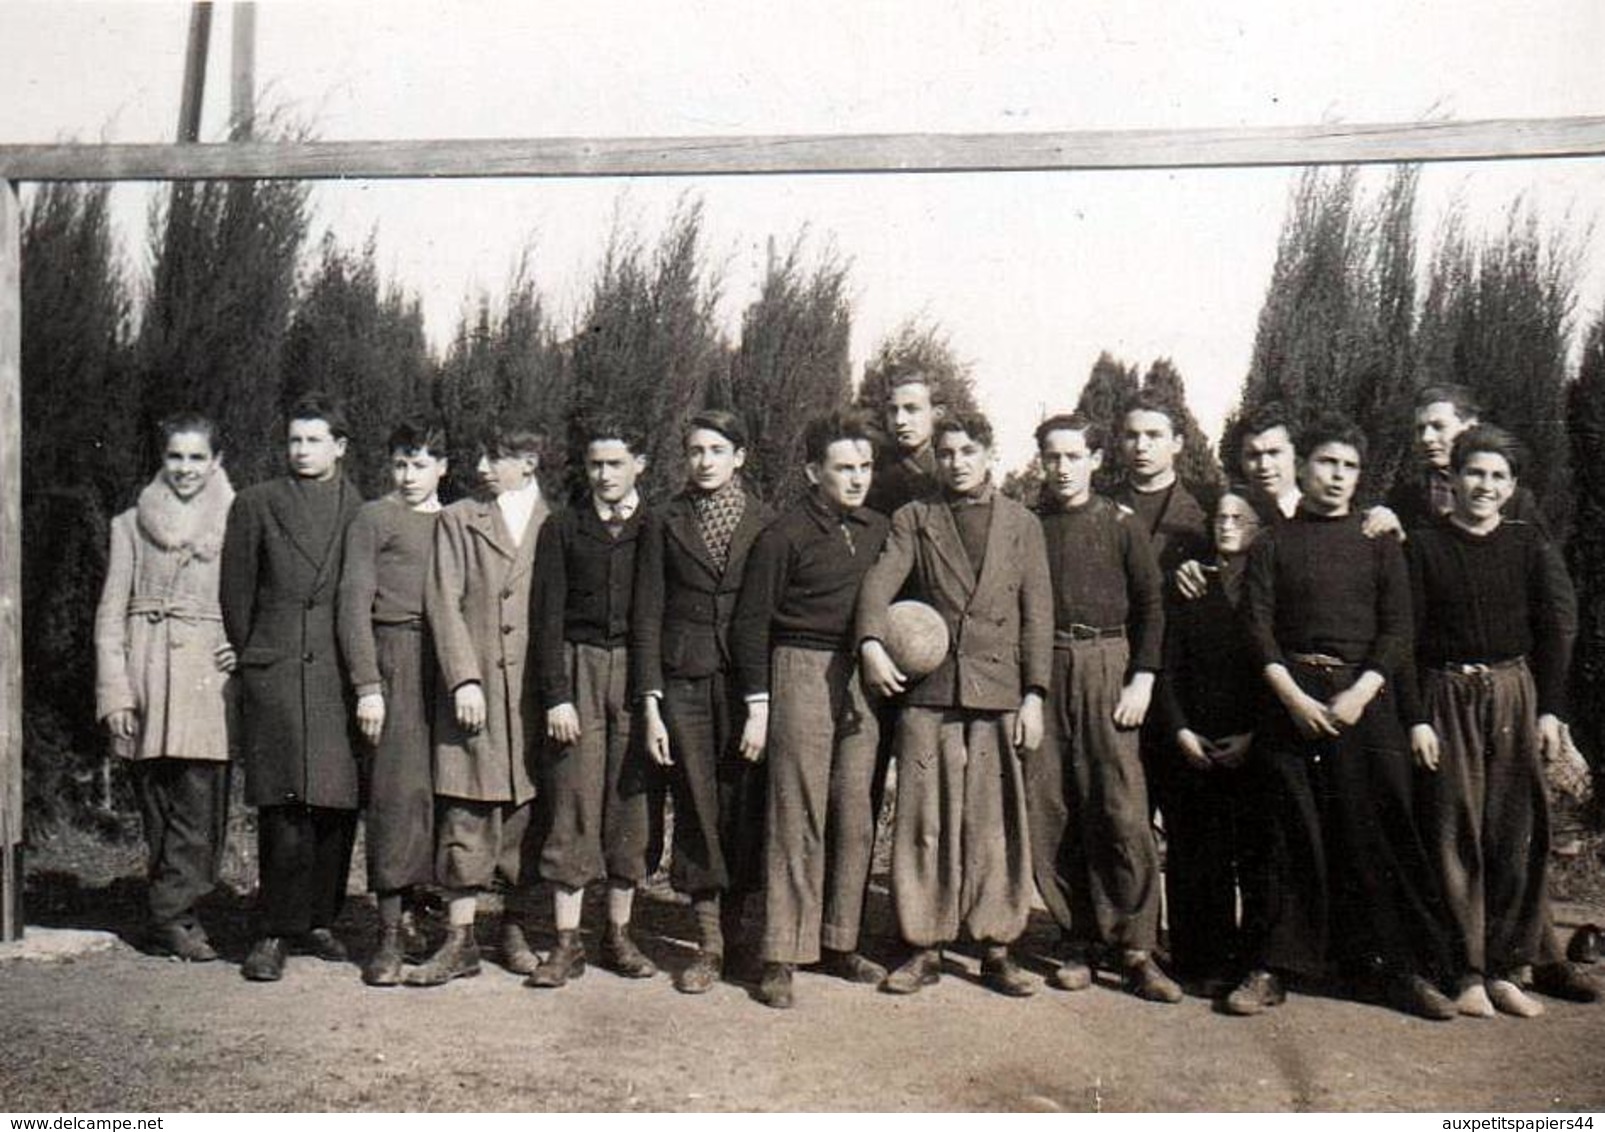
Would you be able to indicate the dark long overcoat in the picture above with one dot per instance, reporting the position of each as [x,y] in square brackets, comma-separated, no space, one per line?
[279,580]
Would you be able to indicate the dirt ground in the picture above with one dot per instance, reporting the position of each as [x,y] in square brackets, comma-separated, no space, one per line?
[116,1030]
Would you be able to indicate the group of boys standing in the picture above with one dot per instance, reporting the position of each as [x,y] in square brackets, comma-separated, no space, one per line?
[527,686]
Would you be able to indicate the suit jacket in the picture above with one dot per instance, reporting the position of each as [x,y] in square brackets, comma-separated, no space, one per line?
[1181,533]
[683,603]
[477,603]
[1000,623]
[278,585]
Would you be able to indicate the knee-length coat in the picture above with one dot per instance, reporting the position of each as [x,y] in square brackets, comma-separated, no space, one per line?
[477,603]
[159,626]
[280,573]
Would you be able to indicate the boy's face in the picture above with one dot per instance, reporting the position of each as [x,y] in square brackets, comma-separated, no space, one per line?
[910,415]
[1236,525]
[612,469]
[1067,466]
[314,451]
[500,474]
[1269,462]
[1483,485]
[416,473]
[1331,472]
[1150,445]
[1437,425]
[187,463]
[711,459]
[843,476]
[962,462]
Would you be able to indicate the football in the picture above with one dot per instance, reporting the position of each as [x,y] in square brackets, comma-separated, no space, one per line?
[916,638]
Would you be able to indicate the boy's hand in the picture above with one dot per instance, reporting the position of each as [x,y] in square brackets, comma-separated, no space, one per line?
[1232,750]
[880,674]
[657,735]
[468,701]
[123,724]
[1381,521]
[563,724]
[1349,705]
[1550,743]
[1424,745]
[371,716]
[1191,581]
[1192,750]
[1132,707]
[1310,716]
[755,733]
[1028,723]
[223,656]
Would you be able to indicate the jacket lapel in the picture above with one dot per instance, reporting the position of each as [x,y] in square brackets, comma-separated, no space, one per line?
[349,501]
[682,527]
[742,538]
[943,535]
[486,521]
[524,556]
[296,525]
[996,551]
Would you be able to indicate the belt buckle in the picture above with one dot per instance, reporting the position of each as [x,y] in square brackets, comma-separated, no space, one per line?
[1080,632]
[1473,669]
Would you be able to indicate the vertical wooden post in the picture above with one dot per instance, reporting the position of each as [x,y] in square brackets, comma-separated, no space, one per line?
[242,73]
[10,563]
[189,106]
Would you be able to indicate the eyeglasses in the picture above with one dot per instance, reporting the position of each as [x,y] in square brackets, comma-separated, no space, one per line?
[1236,521]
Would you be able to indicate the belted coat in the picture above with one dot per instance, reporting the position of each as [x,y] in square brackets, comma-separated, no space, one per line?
[279,580]
[477,603]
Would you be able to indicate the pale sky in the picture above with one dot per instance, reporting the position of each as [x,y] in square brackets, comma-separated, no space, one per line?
[1031,274]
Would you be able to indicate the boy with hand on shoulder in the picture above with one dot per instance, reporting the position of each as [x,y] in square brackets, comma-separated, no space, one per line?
[960,857]
[1093,848]
[601,816]
[792,643]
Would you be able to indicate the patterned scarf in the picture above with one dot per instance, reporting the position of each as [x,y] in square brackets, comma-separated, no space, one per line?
[718,513]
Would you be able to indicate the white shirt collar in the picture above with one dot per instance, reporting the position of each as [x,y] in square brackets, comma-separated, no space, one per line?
[623,509]
[517,507]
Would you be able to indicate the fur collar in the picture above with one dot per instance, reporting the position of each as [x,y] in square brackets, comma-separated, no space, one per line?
[196,526]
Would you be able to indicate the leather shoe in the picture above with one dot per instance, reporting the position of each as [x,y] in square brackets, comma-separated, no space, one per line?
[456,958]
[181,941]
[1564,980]
[1143,978]
[1258,991]
[1415,995]
[321,943]
[1003,974]
[1584,946]
[1071,975]
[517,955]
[383,968]
[774,988]
[621,955]
[564,962]
[265,963]
[851,966]
[702,974]
[921,969]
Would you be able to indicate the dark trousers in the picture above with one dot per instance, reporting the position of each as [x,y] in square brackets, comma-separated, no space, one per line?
[719,797]
[183,805]
[822,755]
[601,809]
[305,859]
[1487,817]
[1092,844]
[1350,878]
[1214,849]
[398,773]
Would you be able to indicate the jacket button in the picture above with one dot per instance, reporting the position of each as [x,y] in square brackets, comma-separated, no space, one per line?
[312,603]
[308,657]
[501,663]
[291,796]
[507,628]
[507,595]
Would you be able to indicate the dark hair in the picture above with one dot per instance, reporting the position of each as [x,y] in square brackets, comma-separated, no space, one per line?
[595,429]
[842,424]
[721,421]
[1332,428]
[1462,398]
[1263,418]
[972,424]
[189,421]
[1263,508]
[1150,400]
[322,407]
[419,434]
[1487,438]
[1072,422]
[504,441]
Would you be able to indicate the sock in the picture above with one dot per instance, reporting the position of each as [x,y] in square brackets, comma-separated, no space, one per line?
[706,908]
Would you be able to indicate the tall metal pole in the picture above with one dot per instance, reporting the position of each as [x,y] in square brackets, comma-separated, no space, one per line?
[242,77]
[11,918]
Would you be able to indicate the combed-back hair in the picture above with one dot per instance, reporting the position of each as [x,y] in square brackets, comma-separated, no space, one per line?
[915,376]
[188,420]
[515,441]
[1332,428]
[1073,422]
[325,407]
[972,424]
[419,434]
[594,429]
[721,421]
[1488,438]
[1461,397]
[839,424]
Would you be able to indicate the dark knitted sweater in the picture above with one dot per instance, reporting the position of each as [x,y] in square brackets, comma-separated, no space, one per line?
[1105,576]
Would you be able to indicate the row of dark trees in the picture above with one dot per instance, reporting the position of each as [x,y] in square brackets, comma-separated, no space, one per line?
[239,317]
